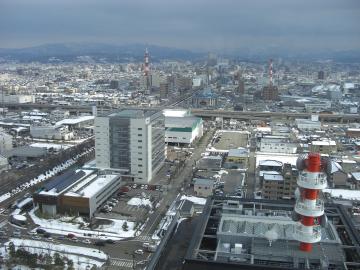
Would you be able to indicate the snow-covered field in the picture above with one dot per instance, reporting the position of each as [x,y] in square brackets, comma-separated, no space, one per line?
[139,202]
[116,226]
[57,226]
[42,177]
[81,256]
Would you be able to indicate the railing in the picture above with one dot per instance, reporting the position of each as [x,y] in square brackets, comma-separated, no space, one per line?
[308,180]
[304,209]
[307,237]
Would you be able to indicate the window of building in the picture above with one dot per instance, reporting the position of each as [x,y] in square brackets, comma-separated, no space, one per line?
[140,171]
[139,135]
[139,140]
[139,128]
[139,158]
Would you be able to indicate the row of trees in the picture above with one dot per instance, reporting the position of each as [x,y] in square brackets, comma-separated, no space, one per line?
[45,260]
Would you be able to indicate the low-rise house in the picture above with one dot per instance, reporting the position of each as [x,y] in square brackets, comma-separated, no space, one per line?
[203,187]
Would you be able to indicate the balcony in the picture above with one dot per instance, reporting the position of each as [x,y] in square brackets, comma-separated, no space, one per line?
[311,180]
[312,236]
[305,209]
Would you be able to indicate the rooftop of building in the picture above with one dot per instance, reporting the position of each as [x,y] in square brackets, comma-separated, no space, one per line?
[74,121]
[203,182]
[182,122]
[64,181]
[91,185]
[134,113]
[258,234]
[273,177]
[238,152]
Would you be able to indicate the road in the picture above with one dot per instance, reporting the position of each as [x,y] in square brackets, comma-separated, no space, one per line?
[121,254]
[245,115]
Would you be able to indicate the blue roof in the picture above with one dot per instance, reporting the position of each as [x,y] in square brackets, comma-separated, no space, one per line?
[64,180]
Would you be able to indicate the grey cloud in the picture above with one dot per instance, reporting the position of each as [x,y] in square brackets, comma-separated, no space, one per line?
[196,24]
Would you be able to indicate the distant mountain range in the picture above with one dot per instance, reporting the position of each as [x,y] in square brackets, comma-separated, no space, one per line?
[135,52]
[111,53]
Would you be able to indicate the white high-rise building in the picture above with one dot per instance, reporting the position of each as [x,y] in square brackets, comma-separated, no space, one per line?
[131,141]
[5,142]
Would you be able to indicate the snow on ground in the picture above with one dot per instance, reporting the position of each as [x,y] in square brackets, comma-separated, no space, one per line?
[42,177]
[116,226]
[139,202]
[196,200]
[51,145]
[5,196]
[179,222]
[56,226]
[221,172]
[81,256]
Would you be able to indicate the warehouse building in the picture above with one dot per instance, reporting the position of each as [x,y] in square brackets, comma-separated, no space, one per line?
[78,192]
[182,128]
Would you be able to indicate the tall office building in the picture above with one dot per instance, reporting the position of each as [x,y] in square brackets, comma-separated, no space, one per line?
[131,141]
[321,75]
[164,90]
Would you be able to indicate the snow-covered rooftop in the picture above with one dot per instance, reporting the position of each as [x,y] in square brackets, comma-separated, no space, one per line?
[91,185]
[325,143]
[343,193]
[74,121]
[175,113]
[284,158]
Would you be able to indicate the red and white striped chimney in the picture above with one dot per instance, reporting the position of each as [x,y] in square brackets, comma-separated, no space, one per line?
[309,206]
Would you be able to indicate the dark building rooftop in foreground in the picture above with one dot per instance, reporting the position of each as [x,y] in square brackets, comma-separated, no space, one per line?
[258,234]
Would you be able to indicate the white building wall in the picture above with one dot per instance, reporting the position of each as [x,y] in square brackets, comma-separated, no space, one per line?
[5,142]
[278,147]
[102,142]
[184,137]
[140,149]
[4,164]
[178,137]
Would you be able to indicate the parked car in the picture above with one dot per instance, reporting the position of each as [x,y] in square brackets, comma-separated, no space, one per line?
[99,243]
[71,235]
[86,241]
[40,231]
[110,241]
[17,233]
[139,251]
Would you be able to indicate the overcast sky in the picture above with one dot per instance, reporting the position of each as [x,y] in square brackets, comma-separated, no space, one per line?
[190,24]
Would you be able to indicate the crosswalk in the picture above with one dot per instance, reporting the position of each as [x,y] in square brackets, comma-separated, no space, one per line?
[121,263]
[145,238]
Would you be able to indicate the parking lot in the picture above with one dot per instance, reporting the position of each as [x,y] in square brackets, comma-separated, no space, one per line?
[226,140]
[143,194]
